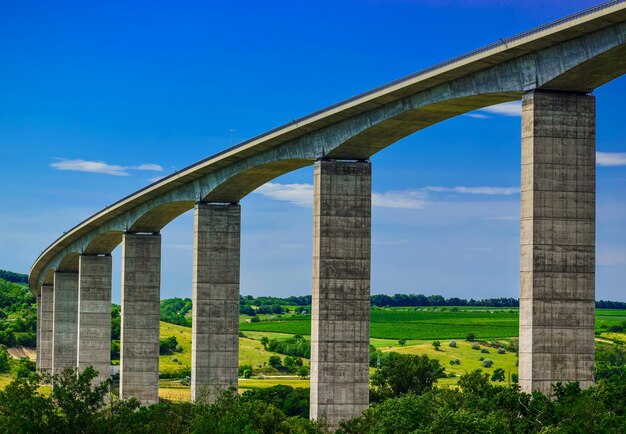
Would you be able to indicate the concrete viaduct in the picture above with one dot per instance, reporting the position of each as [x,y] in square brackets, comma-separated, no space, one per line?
[553,69]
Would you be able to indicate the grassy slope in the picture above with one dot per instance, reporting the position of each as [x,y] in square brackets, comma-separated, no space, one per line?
[250,351]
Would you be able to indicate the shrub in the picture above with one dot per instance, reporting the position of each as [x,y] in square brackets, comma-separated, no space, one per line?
[175,359]
[515,378]
[402,342]
[179,348]
[275,362]
[167,345]
[452,344]
[471,337]
[457,361]
[255,319]
[437,345]
[475,346]
[484,351]
[481,358]
[501,350]
[498,375]
[487,363]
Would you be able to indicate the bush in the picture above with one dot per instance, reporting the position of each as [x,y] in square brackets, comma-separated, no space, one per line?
[514,378]
[498,375]
[481,358]
[275,362]
[179,348]
[501,350]
[471,337]
[402,342]
[452,344]
[175,359]
[484,351]
[487,363]
[167,345]
[437,345]
[255,319]
[475,346]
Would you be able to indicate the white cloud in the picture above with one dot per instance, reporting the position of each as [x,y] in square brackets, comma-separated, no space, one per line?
[298,194]
[477,115]
[487,191]
[302,194]
[611,159]
[408,199]
[101,167]
[513,108]
[149,166]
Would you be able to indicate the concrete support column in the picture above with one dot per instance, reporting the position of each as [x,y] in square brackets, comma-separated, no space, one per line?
[141,287]
[65,327]
[94,314]
[46,319]
[38,344]
[215,325]
[557,240]
[341,290]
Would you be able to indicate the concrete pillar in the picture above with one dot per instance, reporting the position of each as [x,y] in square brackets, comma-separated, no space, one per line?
[341,290]
[38,344]
[46,319]
[94,314]
[215,324]
[557,285]
[65,327]
[141,287]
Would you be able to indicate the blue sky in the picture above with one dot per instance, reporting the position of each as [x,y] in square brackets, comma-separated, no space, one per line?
[96,100]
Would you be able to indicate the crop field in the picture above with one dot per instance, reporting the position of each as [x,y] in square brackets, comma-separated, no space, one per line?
[428,324]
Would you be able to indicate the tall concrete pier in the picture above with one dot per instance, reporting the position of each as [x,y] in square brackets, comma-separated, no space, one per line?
[46,320]
[141,290]
[94,314]
[215,325]
[557,240]
[341,290]
[65,322]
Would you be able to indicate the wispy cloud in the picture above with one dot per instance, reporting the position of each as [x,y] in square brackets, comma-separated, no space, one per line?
[611,159]
[487,191]
[298,194]
[101,167]
[513,108]
[302,194]
[408,199]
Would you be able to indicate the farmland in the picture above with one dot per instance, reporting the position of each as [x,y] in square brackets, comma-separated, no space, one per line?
[420,324]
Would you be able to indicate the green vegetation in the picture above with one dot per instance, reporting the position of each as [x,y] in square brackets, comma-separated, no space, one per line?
[18,315]
[10,276]
[176,311]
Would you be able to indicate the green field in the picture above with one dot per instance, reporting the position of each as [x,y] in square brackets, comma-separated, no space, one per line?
[421,324]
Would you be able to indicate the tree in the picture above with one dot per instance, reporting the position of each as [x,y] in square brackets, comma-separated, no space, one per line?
[403,373]
[5,360]
[452,344]
[167,345]
[402,342]
[275,362]
[303,371]
[471,337]
[264,341]
[498,375]
[437,345]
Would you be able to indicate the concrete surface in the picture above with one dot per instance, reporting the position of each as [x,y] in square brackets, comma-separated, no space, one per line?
[341,290]
[65,321]
[215,324]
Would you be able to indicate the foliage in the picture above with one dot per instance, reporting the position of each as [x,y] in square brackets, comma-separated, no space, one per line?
[291,401]
[452,344]
[176,311]
[437,345]
[405,373]
[167,345]
[498,375]
[10,276]
[18,315]
[296,346]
